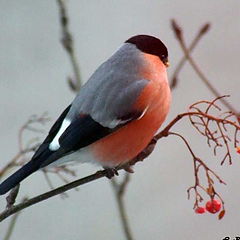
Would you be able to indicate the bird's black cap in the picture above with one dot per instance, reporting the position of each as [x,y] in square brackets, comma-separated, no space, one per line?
[151,45]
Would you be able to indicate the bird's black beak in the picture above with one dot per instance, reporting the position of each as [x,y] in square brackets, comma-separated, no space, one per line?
[165,62]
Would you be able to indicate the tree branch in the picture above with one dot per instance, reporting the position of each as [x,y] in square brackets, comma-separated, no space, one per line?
[68,44]
[11,226]
[119,189]
[174,79]
[178,33]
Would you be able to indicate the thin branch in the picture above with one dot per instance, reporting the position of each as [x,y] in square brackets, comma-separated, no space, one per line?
[49,182]
[178,33]
[11,198]
[197,163]
[11,226]
[119,189]
[68,44]
[16,208]
[31,147]
[49,194]
[203,30]
[13,161]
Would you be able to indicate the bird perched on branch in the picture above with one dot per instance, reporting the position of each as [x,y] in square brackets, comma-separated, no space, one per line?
[115,114]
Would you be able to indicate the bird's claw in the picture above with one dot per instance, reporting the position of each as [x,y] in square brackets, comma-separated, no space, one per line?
[111,172]
[128,168]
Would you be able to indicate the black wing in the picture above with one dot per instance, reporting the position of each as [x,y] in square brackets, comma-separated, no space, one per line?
[82,132]
[52,133]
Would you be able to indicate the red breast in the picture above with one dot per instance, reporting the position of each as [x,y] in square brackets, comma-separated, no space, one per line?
[124,144]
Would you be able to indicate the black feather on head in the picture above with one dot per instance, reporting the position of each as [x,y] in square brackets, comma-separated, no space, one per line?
[151,45]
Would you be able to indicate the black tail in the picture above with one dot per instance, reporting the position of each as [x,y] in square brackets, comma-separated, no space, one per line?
[18,176]
[35,163]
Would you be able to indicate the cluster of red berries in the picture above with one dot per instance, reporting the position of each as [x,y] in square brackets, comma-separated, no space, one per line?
[212,206]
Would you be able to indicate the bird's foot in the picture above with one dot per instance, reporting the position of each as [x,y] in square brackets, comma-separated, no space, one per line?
[111,172]
[127,168]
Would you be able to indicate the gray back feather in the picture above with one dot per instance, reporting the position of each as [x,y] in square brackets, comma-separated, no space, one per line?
[112,89]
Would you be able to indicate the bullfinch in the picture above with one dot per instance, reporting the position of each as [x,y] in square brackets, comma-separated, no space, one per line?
[115,114]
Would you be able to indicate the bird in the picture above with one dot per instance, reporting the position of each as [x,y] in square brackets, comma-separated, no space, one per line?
[115,114]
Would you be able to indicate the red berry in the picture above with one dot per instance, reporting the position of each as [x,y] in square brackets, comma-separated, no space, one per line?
[200,210]
[213,206]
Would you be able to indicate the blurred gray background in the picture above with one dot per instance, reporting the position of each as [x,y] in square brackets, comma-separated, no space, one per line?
[33,72]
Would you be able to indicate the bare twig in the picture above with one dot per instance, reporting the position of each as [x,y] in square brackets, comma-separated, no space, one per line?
[17,160]
[214,133]
[203,30]
[119,189]
[68,44]
[179,35]
[11,198]
[49,182]
[11,226]
[197,163]
[29,125]
[16,208]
